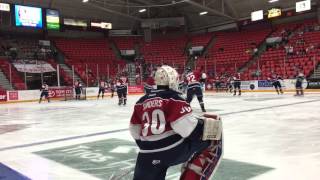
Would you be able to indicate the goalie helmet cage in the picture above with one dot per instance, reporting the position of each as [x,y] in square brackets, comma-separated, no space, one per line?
[70,94]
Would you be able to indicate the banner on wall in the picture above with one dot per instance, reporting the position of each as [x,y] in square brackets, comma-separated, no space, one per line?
[291,84]
[93,91]
[313,84]
[31,95]
[249,85]
[288,84]
[135,89]
[34,68]
[3,96]
[12,95]
[265,85]
[245,85]
[60,92]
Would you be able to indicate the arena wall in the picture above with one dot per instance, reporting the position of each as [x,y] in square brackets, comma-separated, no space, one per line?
[91,92]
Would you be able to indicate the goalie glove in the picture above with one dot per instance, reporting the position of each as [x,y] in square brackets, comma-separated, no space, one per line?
[212,128]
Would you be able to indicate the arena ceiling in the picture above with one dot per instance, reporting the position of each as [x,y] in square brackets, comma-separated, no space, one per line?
[124,14]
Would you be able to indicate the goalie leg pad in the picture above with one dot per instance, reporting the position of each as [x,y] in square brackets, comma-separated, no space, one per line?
[204,165]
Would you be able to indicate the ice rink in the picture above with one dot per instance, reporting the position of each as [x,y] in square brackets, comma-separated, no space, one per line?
[267,137]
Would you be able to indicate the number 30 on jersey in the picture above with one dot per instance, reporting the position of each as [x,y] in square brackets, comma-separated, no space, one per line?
[154,122]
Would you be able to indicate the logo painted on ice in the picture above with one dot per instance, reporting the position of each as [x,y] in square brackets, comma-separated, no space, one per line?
[85,152]
[185,109]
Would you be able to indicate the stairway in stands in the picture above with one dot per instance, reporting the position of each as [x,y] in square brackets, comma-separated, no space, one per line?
[65,79]
[316,73]
[255,57]
[131,69]
[68,70]
[4,82]
[17,80]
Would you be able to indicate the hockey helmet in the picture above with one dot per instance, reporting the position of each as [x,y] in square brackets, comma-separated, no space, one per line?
[167,76]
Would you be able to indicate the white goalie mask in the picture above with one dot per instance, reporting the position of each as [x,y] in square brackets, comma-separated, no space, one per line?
[167,76]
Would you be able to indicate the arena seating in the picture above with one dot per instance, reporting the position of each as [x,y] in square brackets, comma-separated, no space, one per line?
[281,29]
[85,49]
[200,39]
[67,79]
[17,81]
[232,50]
[276,60]
[86,55]
[91,70]
[166,50]
[93,59]
[27,48]
[127,43]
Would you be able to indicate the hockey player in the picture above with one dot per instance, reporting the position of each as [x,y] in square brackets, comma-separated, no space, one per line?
[149,84]
[44,92]
[168,134]
[182,84]
[299,82]
[217,83]
[182,87]
[102,88]
[122,87]
[112,87]
[275,79]
[78,89]
[237,84]
[203,81]
[194,87]
[229,82]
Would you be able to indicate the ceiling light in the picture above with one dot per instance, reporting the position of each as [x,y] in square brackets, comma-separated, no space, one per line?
[142,10]
[272,1]
[84,1]
[203,13]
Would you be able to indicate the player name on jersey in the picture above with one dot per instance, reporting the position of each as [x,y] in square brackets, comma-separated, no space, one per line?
[152,104]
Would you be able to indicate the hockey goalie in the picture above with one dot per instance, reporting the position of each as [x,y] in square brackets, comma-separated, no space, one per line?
[168,133]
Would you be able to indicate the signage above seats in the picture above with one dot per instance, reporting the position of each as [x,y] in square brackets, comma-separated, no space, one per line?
[75,22]
[303,6]
[274,12]
[26,16]
[53,19]
[257,15]
[4,7]
[102,25]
